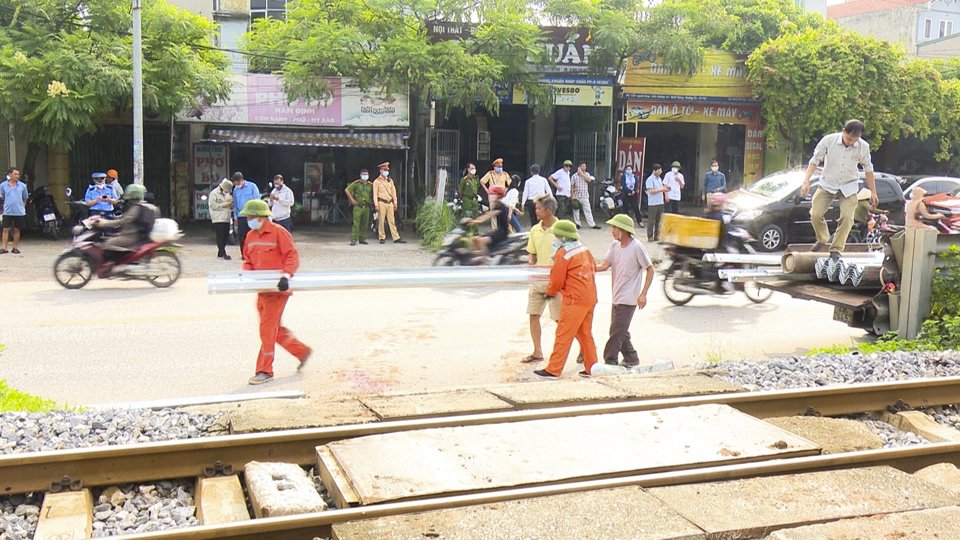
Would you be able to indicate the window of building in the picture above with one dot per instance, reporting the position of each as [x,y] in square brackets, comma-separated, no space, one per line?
[943,29]
[927,28]
[949,28]
[273,9]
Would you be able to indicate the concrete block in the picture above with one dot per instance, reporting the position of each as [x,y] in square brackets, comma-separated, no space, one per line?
[220,500]
[935,524]
[550,393]
[280,489]
[274,414]
[641,386]
[832,435]
[66,516]
[398,406]
[755,507]
[613,514]
[945,475]
[922,424]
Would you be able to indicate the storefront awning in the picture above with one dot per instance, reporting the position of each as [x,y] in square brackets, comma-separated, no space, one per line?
[392,140]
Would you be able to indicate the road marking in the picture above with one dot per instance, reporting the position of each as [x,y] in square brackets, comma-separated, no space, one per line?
[141,320]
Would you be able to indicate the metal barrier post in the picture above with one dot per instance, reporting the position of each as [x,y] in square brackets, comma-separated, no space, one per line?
[916,279]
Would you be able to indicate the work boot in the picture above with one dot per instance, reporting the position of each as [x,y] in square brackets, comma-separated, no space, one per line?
[383,241]
[399,241]
[260,378]
[544,374]
[353,242]
[364,242]
[835,255]
[584,374]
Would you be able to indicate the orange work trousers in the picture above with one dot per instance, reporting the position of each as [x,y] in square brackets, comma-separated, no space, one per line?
[270,307]
[576,321]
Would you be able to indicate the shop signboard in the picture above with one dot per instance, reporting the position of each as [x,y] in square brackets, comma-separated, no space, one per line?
[753,154]
[722,77]
[209,167]
[631,151]
[573,95]
[675,110]
[260,100]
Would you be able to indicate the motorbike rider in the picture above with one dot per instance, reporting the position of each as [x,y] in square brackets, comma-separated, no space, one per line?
[100,197]
[133,226]
[501,216]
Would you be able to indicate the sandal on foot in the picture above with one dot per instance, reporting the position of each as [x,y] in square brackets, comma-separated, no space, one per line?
[531,358]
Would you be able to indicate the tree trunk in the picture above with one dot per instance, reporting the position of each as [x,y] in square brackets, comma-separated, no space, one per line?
[30,160]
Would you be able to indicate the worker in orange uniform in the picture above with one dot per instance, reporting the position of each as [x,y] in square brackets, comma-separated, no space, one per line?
[270,247]
[572,276]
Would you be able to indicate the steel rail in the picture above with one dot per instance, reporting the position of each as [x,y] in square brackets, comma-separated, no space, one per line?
[101,466]
[319,524]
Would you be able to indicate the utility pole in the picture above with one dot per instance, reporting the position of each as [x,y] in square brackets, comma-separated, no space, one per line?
[137,96]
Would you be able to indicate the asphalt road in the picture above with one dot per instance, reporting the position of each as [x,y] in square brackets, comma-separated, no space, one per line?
[127,341]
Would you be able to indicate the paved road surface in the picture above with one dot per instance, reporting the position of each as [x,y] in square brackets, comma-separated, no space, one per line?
[123,341]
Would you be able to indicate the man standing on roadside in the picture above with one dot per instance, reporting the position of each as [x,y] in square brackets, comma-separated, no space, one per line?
[385,195]
[673,180]
[221,210]
[580,189]
[630,264]
[573,275]
[114,179]
[535,187]
[360,193]
[841,153]
[270,247]
[714,181]
[14,195]
[495,177]
[281,203]
[655,195]
[560,180]
[540,250]
[243,191]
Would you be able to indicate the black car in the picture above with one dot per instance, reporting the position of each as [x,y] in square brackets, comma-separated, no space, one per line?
[775,213]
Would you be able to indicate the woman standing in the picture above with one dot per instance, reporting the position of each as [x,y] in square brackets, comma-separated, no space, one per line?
[511,201]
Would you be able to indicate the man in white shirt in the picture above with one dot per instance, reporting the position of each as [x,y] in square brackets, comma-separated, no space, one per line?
[580,188]
[841,153]
[655,199]
[534,187]
[674,180]
[560,180]
[281,202]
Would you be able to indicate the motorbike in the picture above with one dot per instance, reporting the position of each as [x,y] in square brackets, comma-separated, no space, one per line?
[457,250]
[47,217]
[79,211]
[686,274]
[155,261]
[611,199]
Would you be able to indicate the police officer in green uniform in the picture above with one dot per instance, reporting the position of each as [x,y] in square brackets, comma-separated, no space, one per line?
[360,193]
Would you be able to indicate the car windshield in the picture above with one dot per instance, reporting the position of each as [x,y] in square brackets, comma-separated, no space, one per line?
[778,185]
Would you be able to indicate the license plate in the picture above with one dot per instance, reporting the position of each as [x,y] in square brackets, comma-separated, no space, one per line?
[49,217]
[842,314]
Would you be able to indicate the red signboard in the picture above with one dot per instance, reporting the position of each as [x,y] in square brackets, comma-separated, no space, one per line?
[631,151]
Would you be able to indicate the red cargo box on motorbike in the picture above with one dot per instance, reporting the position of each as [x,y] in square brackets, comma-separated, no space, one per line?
[692,232]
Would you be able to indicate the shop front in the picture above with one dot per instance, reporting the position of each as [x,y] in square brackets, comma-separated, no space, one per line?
[694,119]
[317,147]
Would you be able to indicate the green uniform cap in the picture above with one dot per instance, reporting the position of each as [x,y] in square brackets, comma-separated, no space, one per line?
[565,229]
[134,192]
[256,208]
[622,221]
[567,162]
[675,164]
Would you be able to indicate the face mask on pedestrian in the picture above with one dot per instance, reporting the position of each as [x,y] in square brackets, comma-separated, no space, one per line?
[498,169]
[471,170]
[675,169]
[255,223]
[364,176]
[714,168]
[278,185]
[628,171]
[100,182]
[384,173]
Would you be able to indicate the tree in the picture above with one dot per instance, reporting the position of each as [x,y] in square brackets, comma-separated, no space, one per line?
[811,82]
[65,65]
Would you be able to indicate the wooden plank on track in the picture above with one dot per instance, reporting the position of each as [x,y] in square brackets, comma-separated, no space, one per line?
[921,424]
[220,500]
[66,516]
[429,462]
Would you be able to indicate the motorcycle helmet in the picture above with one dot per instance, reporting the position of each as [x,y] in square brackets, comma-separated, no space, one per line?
[134,192]
[113,174]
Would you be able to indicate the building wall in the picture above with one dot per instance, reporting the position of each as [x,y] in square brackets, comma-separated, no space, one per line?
[897,25]
[813,6]
[939,12]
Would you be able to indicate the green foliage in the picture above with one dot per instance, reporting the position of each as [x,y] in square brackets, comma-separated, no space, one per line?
[434,220]
[15,400]
[65,65]
[812,81]
[945,292]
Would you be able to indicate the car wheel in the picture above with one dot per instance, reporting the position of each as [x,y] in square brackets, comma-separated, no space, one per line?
[771,238]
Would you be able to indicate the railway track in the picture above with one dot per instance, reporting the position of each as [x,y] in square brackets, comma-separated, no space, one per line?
[103,466]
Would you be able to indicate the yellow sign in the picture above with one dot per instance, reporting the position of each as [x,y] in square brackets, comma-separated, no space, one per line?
[722,76]
[573,95]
